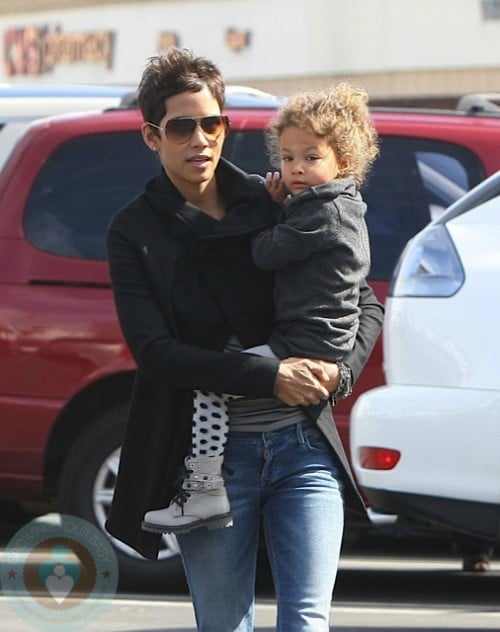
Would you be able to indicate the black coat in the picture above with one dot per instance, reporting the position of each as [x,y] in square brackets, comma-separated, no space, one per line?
[168,258]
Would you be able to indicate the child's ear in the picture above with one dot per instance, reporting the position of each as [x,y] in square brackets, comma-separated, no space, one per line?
[344,166]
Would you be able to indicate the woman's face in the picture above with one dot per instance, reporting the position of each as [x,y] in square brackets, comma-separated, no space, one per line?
[189,161]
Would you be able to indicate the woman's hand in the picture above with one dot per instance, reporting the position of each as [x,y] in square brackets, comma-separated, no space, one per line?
[330,378]
[302,381]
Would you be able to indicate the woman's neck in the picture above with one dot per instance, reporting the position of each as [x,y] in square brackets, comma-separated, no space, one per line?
[208,200]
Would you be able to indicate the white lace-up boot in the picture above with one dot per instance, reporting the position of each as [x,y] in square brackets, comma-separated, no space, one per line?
[202,501]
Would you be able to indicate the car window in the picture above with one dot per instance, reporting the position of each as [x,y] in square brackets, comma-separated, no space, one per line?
[89,178]
[248,150]
[82,184]
[412,182]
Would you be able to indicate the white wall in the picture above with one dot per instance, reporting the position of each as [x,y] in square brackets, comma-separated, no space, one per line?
[289,38]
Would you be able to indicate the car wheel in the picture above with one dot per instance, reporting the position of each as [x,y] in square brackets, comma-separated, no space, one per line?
[86,488]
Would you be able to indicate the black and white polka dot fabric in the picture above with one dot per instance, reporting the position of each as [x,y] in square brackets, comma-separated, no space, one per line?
[210,423]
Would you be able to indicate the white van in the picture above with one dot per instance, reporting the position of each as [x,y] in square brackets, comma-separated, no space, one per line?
[21,102]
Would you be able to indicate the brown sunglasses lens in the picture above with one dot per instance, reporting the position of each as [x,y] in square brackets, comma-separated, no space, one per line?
[180,130]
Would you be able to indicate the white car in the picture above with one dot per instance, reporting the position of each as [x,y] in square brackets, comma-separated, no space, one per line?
[426,446]
[24,102]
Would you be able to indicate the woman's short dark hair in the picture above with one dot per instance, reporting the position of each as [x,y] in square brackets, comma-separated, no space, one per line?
[173,72]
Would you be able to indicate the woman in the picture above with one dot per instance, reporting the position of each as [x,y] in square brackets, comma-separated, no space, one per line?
[325,143]
[188,297]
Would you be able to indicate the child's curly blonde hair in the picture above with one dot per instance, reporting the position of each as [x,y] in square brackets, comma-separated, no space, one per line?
[340,115]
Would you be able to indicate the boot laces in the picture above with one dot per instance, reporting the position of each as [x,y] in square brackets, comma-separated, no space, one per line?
[181,499]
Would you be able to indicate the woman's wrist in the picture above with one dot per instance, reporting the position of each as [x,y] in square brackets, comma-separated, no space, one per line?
[344,389]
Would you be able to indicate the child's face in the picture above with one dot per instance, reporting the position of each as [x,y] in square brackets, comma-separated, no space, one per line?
[306,160]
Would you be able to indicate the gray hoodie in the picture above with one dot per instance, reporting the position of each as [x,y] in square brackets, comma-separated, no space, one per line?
[320,253]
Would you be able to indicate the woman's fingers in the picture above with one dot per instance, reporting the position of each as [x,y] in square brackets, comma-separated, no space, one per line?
[328,374]
[297,385]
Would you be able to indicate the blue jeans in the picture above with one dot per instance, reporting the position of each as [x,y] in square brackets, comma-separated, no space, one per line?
[290,479]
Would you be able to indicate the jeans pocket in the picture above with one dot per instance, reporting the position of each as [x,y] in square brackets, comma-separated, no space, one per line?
[315,440]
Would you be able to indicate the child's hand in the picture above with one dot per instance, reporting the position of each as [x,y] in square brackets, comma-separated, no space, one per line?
[275,186]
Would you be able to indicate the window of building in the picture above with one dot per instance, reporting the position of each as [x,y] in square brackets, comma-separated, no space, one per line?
[490,9]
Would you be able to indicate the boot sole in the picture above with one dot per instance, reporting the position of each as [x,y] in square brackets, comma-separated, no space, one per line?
[218,522]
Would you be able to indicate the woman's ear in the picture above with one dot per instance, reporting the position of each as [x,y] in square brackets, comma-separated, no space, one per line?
[149,136]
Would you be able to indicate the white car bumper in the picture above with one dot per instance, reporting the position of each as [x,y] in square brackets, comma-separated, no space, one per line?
[449,440]
[447,474]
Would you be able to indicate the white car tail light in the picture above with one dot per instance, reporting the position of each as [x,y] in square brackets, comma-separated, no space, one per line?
[429,266]
[373,458]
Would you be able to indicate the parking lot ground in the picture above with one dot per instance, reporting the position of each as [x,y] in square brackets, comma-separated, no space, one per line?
[367,610]
[155,614]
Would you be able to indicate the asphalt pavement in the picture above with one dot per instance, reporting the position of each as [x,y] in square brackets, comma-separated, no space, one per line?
[375,593]
[383,585]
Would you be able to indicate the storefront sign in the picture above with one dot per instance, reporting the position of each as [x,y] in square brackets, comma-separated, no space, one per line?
[34,50]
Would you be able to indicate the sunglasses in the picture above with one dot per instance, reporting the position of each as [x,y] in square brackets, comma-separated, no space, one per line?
[180,130]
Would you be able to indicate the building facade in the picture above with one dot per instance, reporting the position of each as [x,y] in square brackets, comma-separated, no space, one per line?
[406,50]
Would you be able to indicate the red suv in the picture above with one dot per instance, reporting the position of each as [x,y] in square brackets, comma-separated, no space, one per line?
[65,372]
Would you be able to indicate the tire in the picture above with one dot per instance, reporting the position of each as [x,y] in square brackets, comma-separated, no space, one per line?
[86,488]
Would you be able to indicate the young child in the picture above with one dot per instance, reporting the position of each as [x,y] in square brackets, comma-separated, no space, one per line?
[319,250]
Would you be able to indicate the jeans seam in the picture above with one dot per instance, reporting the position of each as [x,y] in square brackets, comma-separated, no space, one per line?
[300,434]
